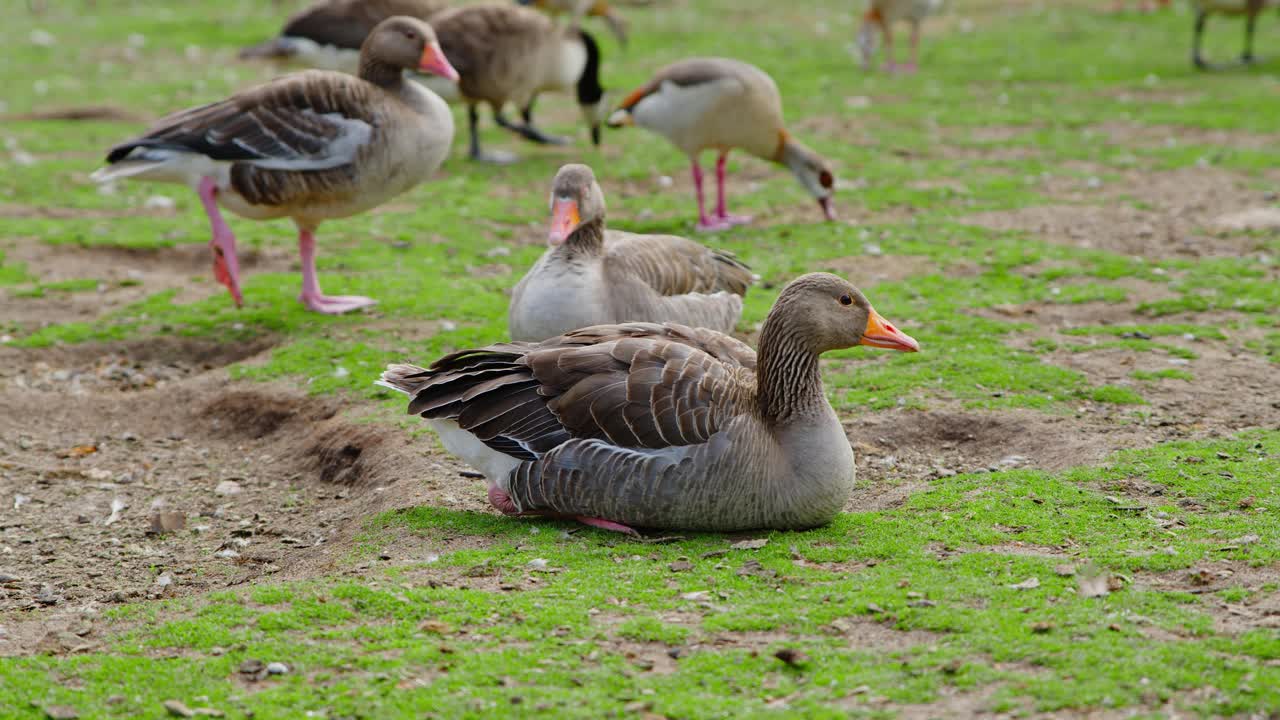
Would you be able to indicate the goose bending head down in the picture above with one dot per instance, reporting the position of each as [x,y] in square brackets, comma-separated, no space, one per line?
[660,425]
[716,103]
[308,146]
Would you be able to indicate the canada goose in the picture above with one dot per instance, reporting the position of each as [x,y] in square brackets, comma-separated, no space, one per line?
[507,53]
[593,276]
[879,19]
[309,146]
[578,9]
[717,103]
[661,426]
[1250,9]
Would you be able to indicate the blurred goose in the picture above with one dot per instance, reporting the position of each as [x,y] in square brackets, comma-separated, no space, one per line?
[507,53]
[578,9]
[309,146]
[593,276]
[879,19]
[661,426]
[722,104]
[1250,9]
[328,34]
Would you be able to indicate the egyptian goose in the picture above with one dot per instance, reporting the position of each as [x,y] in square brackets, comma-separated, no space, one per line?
[879,19]
[308,146]
[578,9]
[706,103]
[507,53]
[660,426]
[1250,9]
[593,276]
[328,34]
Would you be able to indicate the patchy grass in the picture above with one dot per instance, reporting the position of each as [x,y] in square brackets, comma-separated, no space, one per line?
[918,603]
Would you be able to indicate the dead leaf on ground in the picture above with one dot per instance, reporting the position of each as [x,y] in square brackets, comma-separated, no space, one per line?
[749,544]
[1030,583]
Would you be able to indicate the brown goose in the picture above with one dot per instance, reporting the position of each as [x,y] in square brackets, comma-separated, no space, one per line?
[309,146]
[1250,9]
[578,9]
[879,19]
[721,104]
[593,276]
[507,53]
[664,426]
[327,35]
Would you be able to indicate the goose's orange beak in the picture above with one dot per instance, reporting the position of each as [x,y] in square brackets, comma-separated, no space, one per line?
[882,334]
[564,220]
[433,61]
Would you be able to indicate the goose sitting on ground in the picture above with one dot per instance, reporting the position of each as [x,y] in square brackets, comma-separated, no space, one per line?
[1250,9]
[879,20]
[578,9]
[660,426]
[328,34]
[593,276]
[717,103]
[309,146]
[507,53]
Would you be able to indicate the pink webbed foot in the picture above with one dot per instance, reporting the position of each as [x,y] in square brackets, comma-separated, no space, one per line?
[502,501]
[609,525]
[734,219]
[335,304]
[713,224]
[907,68]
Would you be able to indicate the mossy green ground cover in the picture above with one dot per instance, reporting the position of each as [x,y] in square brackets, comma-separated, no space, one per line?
[916,156]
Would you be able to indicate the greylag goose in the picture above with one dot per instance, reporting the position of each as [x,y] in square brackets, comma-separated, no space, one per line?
[308,146]
[1250,9]
[507,53]
[578,9]
[660,426]
[706,103]
[879,19]
[328,34]
[593,276]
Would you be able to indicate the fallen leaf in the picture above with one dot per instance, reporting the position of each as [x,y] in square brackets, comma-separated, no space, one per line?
[79,451]
[680,566]
[177,708]
[1030,583]
[61,712]
[749,544]
[1064,570]
[696,595]
[434,626]
[1041,628]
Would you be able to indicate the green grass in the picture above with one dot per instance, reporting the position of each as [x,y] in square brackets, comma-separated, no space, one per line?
[994,112]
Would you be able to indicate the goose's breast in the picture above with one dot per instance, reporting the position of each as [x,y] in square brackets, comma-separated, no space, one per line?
[555,298]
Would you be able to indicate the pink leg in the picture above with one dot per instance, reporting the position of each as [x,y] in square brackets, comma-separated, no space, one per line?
[706,223]
[502,501]
[889,65]
[226,266]
[722,212]
[311,295]
[910,67]
[607,525]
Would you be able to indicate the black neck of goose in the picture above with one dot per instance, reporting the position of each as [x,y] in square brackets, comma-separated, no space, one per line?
[789,382]
[380,73]
[586,238]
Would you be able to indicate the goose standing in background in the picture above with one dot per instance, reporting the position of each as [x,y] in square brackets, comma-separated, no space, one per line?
[308,146]
[661,426]
[328,34]
[717,103]
[879,19]
[578,9]
[1250,9]
[507,53]
[593,276]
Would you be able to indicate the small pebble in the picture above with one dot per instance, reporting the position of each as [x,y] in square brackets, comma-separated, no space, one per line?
[277,668]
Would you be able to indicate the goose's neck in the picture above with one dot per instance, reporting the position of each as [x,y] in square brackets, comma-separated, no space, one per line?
[789,383]
[587,239]
[388,77]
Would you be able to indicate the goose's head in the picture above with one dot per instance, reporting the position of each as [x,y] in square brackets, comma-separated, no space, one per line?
[813,172]
[408,43]
[825,312]
[576,199]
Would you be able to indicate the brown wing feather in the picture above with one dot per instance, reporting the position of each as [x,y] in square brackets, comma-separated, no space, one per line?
[638,385]
[673,265]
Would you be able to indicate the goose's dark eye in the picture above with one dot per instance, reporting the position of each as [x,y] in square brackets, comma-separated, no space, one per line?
[846,300]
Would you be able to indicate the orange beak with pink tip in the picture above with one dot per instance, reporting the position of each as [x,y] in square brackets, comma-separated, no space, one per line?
[564,220]
[433,61]
[881,333]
